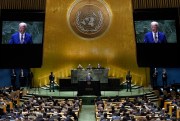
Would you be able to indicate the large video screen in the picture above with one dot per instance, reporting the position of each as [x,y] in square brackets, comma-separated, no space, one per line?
[157,37]
[21,38]
[18,32]
[155,31]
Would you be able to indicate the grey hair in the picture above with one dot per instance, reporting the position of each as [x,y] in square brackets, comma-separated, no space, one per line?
[154,23]
[22,24]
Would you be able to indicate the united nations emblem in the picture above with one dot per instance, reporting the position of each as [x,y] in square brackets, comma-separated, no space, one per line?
[89,19]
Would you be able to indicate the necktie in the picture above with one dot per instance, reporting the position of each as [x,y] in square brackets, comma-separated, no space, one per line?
[22,39]
[155,37]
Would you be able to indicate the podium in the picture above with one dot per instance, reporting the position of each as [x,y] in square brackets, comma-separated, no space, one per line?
[89,88]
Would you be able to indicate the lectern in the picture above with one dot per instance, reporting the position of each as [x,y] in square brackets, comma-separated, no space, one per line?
[89,88]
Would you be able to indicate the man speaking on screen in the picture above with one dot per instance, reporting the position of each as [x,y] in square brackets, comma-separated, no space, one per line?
[155,36]
[21,37]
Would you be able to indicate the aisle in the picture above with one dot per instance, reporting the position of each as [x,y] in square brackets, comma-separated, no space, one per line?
[87,113]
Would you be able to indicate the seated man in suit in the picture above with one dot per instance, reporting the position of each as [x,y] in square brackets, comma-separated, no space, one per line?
[79,66]
[89,66]
[155,36]
[99,66]
[21,37]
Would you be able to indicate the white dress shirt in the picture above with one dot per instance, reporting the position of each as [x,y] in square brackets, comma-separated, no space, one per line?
[21,35]
[155,38]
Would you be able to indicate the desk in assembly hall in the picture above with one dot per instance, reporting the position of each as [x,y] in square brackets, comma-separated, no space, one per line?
[101,75]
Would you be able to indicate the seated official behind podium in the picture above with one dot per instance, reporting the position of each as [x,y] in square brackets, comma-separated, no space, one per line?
[79,66]
[51,79]
[99,66]
[89,66]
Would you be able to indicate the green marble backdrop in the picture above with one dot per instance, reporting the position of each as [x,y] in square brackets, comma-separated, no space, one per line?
[166,26]
[34,28]
[97,75]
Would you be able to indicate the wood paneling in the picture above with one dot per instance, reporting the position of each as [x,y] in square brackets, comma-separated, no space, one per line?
[23,4]
[142,4]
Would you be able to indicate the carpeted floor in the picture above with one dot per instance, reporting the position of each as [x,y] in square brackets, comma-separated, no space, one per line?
[87,113]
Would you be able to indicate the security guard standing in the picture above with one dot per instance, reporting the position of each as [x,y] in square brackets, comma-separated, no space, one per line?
[51,79]
[128,81]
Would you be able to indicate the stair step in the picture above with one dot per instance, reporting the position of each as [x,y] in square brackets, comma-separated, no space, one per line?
[28,95]
[46,88]
[154,100]
[25,97]
[150,95]
[136,87]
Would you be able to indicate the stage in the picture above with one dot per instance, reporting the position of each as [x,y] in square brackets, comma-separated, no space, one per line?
[88,99]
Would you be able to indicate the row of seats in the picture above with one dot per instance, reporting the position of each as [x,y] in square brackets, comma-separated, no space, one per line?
[45,109]
[133,109]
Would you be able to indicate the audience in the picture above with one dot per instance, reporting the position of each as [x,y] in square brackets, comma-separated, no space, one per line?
[133,109]
[113,108]
[42,109]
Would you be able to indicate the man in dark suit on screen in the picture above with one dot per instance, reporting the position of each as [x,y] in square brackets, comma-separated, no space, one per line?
[21,37]
[155,36]
[51,79]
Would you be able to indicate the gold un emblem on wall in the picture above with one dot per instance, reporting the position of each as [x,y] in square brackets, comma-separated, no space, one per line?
[89,18]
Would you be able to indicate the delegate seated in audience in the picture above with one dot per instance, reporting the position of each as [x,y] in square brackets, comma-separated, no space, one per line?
[2,101]
[71,113]
[104,118]
[112,110]
[116,99]
[109,99]
[116,117]
[100,112]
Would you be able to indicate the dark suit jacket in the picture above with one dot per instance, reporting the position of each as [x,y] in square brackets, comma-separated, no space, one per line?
[128,78]
[89,78]
[51,78]
[16,40]
[148,38]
